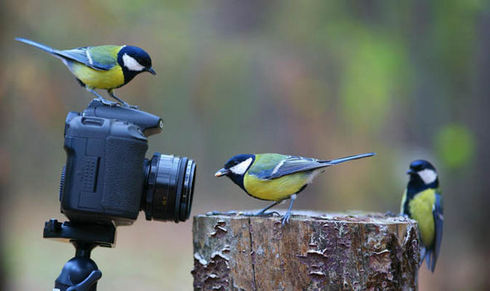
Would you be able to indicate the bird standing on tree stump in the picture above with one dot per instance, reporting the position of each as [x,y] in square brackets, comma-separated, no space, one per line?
[422,202]
[276,177]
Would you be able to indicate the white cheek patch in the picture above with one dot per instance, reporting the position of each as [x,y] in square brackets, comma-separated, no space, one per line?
[428,176]
[241,168]
[131,63]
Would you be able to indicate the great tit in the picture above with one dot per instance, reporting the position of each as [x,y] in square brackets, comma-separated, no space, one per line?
[102,67]
[276,177]
[422,201]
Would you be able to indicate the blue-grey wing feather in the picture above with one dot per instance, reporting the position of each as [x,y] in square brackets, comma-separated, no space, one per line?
[438,213]
[81,55]
[291,165]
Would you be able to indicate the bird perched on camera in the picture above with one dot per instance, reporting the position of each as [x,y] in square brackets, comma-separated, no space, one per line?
[422,202]
[101,67]
[276,177]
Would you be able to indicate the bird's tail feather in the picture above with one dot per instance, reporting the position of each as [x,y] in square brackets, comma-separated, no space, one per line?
[349,158]
[36,44]
[430,260]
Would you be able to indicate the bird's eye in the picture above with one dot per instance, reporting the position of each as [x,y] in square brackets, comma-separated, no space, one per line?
[416,167]
[230,164]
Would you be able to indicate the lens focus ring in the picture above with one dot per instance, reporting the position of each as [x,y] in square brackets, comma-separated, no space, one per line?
[169,187]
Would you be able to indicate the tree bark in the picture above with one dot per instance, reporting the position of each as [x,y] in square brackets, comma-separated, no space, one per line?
[313,252]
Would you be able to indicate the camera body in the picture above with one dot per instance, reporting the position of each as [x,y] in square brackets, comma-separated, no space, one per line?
[107,179]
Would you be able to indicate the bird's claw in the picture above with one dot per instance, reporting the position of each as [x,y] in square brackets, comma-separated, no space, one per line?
[263,213]
[231,212]
[125,104]
[271,213]
[107,102]
[115,104]
[122,102]
[285,218]
[249,214]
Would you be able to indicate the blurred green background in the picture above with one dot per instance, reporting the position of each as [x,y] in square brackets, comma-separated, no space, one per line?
[316,78]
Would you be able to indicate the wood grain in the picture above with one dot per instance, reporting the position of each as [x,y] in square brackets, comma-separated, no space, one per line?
[315,251]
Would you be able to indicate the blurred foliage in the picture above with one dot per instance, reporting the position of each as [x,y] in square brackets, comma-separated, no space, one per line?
[372,74]
[407,80]
[456,145]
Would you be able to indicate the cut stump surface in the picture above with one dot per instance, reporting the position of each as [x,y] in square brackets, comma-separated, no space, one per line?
[315,251]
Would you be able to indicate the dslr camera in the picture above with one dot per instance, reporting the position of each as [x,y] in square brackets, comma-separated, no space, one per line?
[107,177]
[107,181]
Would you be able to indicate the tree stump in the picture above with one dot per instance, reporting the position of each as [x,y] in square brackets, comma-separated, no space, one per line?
[314,251]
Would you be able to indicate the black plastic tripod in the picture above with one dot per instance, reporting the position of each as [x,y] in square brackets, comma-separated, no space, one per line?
[80,273]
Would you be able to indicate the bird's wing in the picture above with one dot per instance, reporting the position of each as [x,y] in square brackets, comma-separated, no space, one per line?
[437,212]
[100,58]
[404,209]
[105,55]
[272,166]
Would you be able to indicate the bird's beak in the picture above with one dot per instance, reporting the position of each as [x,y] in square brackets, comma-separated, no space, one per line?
[151,71]
[410,172]
[222,172]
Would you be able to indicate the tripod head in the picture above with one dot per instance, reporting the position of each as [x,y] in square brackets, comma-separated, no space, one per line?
[80,273]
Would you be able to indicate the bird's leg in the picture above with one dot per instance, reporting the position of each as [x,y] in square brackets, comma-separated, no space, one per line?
[260,213]
[123,103]
[100,98]
[285,218]
[263,211]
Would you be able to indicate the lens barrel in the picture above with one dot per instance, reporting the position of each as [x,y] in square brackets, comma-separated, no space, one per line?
[169,187]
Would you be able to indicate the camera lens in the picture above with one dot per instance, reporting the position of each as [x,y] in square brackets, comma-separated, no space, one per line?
[169,187]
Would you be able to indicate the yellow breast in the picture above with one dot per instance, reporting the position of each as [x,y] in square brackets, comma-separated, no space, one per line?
[421,210]
[275,189]
[110,79]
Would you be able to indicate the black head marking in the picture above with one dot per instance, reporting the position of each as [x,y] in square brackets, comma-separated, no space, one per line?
[237,160]
[416,183]
[133,61]
[237,179]
[419,165]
